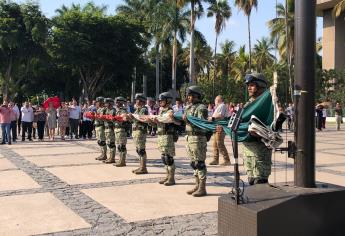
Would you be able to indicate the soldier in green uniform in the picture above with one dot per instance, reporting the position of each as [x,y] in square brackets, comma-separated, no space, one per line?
[120,131]
[166,132]
[257,157]
[139,132]
[100,129]
[109,131]
[196,140]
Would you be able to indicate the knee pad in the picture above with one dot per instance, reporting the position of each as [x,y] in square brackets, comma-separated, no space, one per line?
[163,159]
[169,160]
[111,145]
[200,165]
[142,152]
[192,164]
[101,143]
[119,148]
[137,150]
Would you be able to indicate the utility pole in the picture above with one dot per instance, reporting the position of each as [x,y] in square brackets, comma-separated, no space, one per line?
[304,92]
[133,84]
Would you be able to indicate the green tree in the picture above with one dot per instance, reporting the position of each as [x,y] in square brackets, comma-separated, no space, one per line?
[246,6]
[240,66]
[101,49]
[262,54]
[221,10]
[23,32]
[196,11]
[227,57]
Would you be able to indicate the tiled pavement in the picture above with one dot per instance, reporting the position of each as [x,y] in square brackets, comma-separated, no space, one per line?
[57,188]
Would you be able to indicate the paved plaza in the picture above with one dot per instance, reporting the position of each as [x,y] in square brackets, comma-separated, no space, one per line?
[58,188]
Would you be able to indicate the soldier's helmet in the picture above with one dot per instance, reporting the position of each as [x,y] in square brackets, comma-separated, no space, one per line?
[109,100]
[257,78]
[141,97]
[100,99]
[120,99]
[194,90]
[165,96]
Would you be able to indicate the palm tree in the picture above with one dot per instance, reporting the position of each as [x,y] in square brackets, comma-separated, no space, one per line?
[196,10]
[339,8]
[283,29]
[142,11]
[203,55]
[175,25]
[227,57]
[240,66]
[222,11]
[246,6]
[262,54]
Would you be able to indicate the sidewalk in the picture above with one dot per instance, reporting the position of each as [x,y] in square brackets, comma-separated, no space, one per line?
[58,188]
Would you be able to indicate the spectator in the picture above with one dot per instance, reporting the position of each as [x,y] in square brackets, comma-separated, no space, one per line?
[178,107]
[319,117]
[34,122]
[87,122]
[324,117]
[51,120]
[290,113]
[27,119]
[40,118]
[220,113]
[152,110]
[210,109]
[338,115]
[74,118]
[63,119]
[5,121]
[19,123]
[14,119]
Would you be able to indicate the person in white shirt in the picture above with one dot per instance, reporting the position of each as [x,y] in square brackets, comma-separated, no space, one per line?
[27,119]
[74,118]
[324,116]
[220,113]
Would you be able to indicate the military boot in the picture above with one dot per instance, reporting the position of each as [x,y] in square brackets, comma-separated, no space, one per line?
[122,161]
[171,176]
[102,157]
[166,178]
[111,158]
[196,187]
[215,161]
[142,169]
[201,190]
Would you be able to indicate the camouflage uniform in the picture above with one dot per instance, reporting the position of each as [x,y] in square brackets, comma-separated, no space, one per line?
[110,136]
[139,132]
[100,135]
[197,142]
[121,137]
[166,146]
[257,157]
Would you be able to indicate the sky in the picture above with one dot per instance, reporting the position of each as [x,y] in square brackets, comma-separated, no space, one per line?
[236,27]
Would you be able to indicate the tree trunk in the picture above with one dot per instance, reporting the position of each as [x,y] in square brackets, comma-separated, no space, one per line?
[174,64]
[215,66]
[250,45]
[191,57]
[7,78]
[157,70]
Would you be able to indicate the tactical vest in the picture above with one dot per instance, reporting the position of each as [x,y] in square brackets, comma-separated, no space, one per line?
[111,111]
[100,111]
[165,129]
[120,111]
[197,110]
[137,125]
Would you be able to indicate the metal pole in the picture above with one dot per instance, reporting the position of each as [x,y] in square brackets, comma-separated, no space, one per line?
[305,39]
